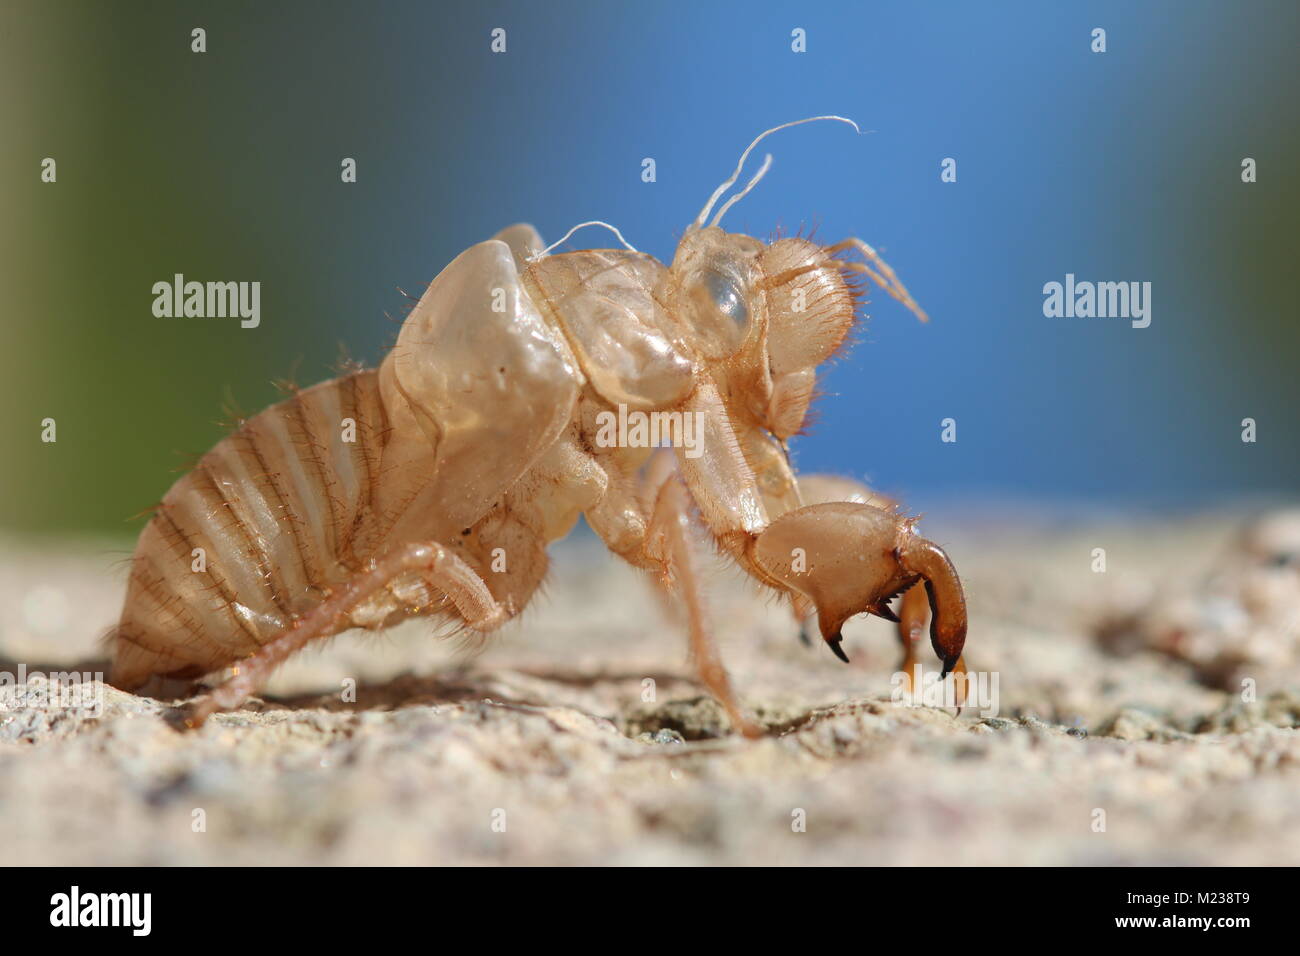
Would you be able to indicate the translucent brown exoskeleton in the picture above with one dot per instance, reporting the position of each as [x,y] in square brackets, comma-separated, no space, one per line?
[433,484]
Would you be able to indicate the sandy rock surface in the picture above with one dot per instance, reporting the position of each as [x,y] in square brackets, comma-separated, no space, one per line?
[544,748]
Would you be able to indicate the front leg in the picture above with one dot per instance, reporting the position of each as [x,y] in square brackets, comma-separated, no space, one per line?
[848,558]
[913,611]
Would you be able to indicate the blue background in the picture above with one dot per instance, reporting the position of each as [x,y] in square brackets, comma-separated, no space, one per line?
[1117,166]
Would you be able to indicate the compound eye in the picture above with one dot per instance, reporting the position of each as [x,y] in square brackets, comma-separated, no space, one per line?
[726,297]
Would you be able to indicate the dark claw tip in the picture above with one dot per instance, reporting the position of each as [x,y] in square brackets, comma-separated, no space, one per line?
[887,612]
[834,643]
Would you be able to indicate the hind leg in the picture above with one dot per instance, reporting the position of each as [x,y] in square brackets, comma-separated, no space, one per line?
[435,563]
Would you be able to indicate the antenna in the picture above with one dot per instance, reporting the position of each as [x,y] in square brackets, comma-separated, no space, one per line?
[717,193]
[582,225]
[762,171]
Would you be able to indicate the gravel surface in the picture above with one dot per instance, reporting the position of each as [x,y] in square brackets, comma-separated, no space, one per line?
[1147,713]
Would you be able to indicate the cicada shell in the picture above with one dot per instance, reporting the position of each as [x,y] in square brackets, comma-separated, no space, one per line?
[433,485]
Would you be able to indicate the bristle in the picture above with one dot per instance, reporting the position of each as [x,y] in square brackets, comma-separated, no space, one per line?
[232,415]
[189,460]
[811,417]
[345,364]
[288,385]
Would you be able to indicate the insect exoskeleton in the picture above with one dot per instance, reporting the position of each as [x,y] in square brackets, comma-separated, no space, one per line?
[433,485]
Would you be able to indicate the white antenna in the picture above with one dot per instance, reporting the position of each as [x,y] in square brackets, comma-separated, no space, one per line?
[582,225]
[762,171]
[717,193]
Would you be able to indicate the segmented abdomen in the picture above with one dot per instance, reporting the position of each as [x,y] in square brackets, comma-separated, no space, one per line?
[272,516]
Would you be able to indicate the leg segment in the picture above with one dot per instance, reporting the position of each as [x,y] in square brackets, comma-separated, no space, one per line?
[803,611]
[913,615]
[671,520]
[648,526]
[437,564]
[882,275]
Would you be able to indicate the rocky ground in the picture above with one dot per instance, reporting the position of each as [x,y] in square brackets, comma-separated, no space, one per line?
[1147,713]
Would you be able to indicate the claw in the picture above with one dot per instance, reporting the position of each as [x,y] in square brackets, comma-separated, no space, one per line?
[859,558]
[885,611]
[804,639]
[947,602]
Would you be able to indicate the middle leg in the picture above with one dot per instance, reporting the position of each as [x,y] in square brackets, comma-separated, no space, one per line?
[648,524]
[671,521]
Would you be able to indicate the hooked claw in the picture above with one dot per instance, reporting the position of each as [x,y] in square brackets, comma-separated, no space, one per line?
[834,643]
[884,610]
[947,602]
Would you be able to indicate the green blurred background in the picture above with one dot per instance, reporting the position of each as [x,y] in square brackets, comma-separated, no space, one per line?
[226,166]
